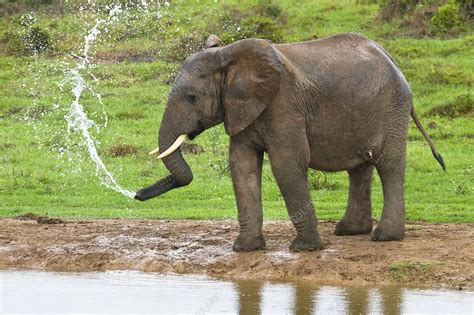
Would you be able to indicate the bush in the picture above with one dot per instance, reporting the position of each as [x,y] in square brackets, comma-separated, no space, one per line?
[461,106]
[185,46]
[262,27]
[447,18]
[419,18]
[265,20]
[467,8]
[36,40]
[27,39]
[397,8]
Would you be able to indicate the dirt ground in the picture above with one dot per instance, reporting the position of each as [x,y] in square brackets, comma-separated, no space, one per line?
[431,254]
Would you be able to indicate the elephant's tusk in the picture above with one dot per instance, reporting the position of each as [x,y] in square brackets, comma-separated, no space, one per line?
[155,151]
[173,147]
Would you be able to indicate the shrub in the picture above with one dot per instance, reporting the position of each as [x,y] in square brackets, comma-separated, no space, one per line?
[461,106]
[397,8]
[447,18]
[419,18]
[27,39]
[36,40]
[265,20]
[185,46]
[467,8]
[261,27]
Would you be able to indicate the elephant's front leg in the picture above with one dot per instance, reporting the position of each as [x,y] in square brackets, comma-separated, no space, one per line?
[246,169]
[290,165]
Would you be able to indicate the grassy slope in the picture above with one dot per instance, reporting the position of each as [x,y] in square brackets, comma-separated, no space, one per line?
[35,177]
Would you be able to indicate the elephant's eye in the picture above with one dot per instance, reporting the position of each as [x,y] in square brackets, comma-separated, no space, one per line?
[191,98]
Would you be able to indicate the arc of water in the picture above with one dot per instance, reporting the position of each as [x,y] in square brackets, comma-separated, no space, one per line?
[77,118]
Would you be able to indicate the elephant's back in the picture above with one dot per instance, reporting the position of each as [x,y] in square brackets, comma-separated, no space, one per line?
[344,62]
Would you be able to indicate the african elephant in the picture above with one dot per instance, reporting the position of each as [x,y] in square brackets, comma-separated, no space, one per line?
[333,104]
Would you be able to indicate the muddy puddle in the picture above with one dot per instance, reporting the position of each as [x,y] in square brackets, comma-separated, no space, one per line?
[137,292]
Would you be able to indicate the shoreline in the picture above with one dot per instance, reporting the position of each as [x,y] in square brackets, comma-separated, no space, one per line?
[431,255]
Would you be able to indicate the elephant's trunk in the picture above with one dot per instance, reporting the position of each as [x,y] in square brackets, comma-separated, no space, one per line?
[181,174]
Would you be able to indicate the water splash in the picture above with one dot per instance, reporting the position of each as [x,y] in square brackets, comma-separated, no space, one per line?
[77,118]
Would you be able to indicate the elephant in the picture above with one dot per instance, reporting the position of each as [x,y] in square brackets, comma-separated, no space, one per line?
[338,103]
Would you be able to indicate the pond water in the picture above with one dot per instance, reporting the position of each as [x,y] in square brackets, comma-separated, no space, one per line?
[136,292]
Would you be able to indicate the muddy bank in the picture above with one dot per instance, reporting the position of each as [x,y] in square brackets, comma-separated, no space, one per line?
[431,254]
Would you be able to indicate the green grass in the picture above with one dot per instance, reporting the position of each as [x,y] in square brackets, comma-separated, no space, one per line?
[36,177]
[402,271]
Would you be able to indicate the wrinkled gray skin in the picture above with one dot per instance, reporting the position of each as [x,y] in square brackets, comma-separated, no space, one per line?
[338,103]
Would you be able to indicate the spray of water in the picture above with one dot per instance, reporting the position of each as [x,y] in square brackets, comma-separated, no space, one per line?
[77,118]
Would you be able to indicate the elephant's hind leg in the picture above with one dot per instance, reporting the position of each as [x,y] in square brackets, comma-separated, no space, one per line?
[392,223]
[358,216]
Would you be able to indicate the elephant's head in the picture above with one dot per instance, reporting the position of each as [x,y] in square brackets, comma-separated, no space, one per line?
[232,84]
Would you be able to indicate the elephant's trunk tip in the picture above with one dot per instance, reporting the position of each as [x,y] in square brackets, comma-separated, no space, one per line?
[139,197]
[146,193]
[156,189]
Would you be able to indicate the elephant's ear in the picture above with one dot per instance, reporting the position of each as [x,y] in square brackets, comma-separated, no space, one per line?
[252,80]
[212,41]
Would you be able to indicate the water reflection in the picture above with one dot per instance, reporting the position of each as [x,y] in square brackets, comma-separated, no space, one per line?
[391,299]
[304,298]
[250,296]
[357,301]
[301,298]
[137,292]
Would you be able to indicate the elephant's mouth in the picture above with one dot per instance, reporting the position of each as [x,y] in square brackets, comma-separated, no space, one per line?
[196,132]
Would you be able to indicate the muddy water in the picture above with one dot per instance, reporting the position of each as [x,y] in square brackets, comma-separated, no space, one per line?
[130,291]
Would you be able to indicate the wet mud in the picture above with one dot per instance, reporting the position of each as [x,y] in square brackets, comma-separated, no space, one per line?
[431,254]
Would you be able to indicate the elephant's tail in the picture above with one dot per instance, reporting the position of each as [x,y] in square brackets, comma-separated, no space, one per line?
[418,124]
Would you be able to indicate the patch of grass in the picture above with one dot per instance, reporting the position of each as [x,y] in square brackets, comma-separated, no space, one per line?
[461,106]
[45,168]
[121,150]
[191,148]
[320,180]
[403,271]
[130,115]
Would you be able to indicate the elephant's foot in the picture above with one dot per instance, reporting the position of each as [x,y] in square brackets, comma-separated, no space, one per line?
[351,227]
[304,243]
[387,230]
[248,243]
